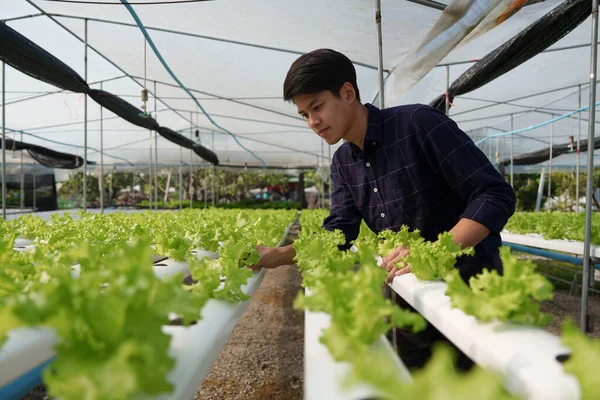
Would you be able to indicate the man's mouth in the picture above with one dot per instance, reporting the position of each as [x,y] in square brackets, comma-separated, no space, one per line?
[323,132]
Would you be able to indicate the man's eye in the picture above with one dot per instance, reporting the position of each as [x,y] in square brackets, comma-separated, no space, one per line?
[317,108]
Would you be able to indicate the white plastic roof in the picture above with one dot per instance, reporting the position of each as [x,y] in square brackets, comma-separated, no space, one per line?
[255,75]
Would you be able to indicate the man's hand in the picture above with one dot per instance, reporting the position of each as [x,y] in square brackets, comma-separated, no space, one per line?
[390,263]
[273,257]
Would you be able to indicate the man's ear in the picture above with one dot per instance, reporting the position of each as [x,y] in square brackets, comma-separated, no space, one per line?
[348,93]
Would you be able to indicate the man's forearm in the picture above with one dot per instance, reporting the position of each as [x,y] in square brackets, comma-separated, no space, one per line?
[468,233]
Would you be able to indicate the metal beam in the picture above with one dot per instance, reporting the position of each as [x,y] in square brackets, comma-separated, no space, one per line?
[587,268]
[3,141]
[575,46]
[430,4]
[248,120]
[236,42]
[526,97]
[379,54]
[217,96]
[85,114]
[21,17]
[43,94]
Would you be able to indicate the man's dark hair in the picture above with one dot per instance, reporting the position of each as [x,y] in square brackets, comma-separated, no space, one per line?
[317,71]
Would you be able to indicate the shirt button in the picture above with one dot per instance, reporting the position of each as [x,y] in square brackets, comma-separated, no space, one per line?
[382,215]
[374,143]
[375,190]
[368,164]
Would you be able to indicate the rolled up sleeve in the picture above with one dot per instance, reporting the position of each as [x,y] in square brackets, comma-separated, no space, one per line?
[450,152]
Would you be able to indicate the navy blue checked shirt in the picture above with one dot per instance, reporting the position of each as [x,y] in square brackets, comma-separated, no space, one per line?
[419,169]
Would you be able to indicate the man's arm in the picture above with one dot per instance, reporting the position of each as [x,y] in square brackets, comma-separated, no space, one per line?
[273,257]
[343,215]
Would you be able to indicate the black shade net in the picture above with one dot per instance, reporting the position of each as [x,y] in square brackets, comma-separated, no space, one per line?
[542,155]
[534,39]
[25,56]
[47,157]
[123,109]
[188,143]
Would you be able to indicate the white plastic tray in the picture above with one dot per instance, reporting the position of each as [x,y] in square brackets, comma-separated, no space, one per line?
[524,355]
[564,246]
[323,375]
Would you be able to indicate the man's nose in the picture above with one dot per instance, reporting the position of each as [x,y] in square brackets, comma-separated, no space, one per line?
[314,122]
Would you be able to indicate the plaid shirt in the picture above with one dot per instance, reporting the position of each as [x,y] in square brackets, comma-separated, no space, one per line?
[417,169]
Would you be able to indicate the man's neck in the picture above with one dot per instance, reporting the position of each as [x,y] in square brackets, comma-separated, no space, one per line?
[358,131]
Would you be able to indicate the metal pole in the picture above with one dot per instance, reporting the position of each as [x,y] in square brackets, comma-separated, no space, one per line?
[578,155]
[155,155]
[590,170]
[512,128]
[538,201]
[191,156]
[110,189]
[180,178]
[550,161]
[101,158]
[204,187]
[213,171]
[22,186]
[447,89]
[150,181]
[34,187]
[329,176]
[497,154]
[3,141]
[379,53]
[85,117]
[322,179]
[77,180]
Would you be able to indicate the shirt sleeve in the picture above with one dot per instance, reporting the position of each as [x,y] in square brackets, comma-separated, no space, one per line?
[343,214]
[450,152]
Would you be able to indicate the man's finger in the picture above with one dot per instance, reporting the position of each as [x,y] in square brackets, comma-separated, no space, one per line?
[403,271]
[391,275]
[395,263]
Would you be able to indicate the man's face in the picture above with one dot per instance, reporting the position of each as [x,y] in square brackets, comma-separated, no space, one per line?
[326,114]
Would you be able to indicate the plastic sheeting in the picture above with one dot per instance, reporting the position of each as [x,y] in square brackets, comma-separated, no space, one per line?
[531,41]
[239,80]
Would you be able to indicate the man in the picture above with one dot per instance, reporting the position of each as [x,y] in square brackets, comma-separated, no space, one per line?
[409,165]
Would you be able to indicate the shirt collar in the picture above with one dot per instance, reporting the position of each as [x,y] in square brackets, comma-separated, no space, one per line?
[374,133]
[374,125]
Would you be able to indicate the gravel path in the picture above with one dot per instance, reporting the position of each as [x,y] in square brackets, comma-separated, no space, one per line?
[263,358]
[569,306]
